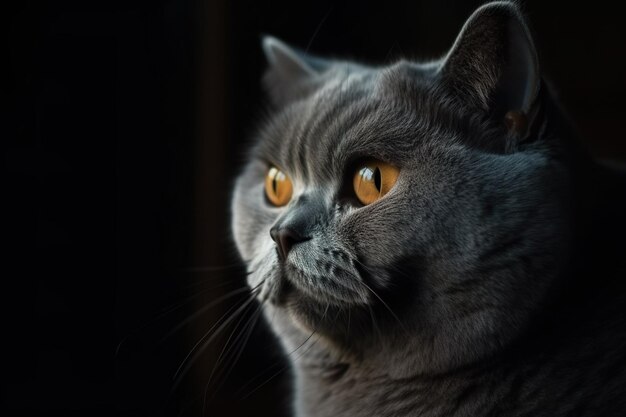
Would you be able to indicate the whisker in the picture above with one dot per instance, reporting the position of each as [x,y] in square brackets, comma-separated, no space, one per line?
[172,308]
[178,380]
[317,29]
[394,268]
[244,304]
[224,282]
[248,329]
[211,268]
[349,314]
[203,309]
[282,369]
[387,306]
[381,300]
[360,281]
[205,340]
[248,332]
[226,344]
[389,53]
[380,337]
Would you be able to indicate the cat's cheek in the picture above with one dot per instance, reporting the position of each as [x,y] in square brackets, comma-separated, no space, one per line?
[250,221]
[263,270]
[378,233]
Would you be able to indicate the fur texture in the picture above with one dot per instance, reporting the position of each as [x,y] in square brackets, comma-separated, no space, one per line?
[487,282]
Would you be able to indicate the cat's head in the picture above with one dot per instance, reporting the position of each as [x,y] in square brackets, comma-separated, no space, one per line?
[412,209]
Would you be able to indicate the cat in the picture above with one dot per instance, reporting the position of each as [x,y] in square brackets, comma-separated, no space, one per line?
[430,238]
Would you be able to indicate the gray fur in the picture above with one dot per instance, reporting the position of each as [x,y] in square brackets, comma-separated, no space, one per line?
[427,301]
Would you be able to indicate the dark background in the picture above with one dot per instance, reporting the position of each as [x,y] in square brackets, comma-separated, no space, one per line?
[122,128]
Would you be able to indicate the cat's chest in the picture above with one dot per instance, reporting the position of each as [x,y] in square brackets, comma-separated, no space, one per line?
[538,390]
[349,393]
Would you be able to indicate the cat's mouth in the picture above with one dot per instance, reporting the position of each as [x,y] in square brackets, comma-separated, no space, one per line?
[315,301]
[340,288]
[287,291]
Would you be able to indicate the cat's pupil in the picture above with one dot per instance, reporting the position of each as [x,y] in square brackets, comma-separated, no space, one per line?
[275,184]
[377,178]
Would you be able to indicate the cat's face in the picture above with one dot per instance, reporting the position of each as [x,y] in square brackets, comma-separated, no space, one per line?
[449,261]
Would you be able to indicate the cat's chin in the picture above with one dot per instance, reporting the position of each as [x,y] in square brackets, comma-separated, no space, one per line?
[306,311]
[340,325]
[310,316]
[286,295]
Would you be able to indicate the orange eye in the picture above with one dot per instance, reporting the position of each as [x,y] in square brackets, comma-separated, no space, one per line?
[373,179]
[278,187]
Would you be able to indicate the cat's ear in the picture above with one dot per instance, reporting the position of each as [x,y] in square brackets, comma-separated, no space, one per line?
[291,73]
[493,64]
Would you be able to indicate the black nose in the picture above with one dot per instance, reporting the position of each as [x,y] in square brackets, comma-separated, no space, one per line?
[285,238]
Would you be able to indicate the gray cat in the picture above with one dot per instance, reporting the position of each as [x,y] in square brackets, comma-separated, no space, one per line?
[429,239]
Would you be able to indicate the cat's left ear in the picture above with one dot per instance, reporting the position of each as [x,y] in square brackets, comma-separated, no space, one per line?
[493,63]
[291,73]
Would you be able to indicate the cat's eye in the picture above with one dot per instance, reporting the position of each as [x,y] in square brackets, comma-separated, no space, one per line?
[278,187]
[373,179]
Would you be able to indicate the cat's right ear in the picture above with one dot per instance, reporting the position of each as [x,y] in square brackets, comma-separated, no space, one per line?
[291,73]
[493,66]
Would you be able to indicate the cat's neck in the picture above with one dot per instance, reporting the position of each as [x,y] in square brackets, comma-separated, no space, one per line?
[326,385]
[330,383]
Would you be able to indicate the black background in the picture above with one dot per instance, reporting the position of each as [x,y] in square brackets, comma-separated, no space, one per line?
[123,125]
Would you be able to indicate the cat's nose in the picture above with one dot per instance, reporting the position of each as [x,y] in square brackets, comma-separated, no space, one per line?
[285,238]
